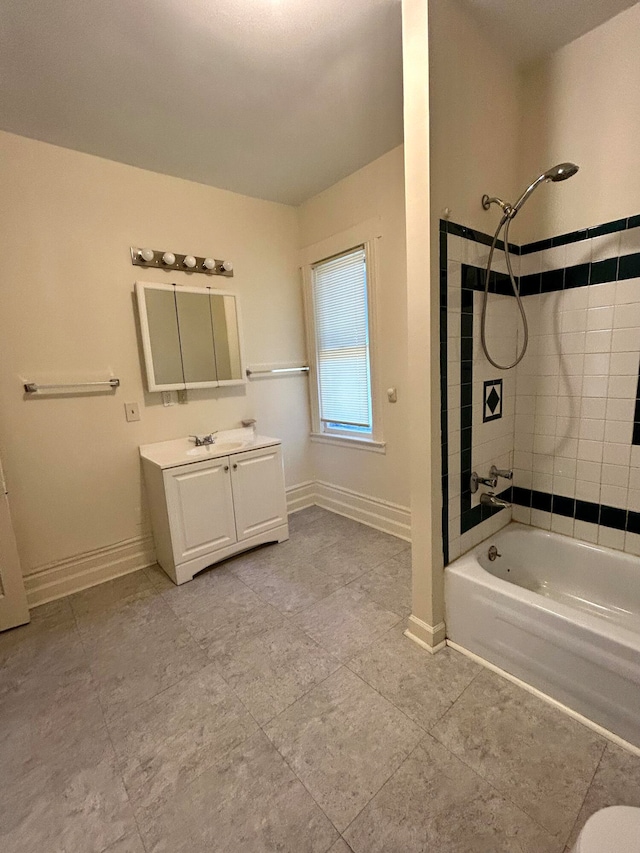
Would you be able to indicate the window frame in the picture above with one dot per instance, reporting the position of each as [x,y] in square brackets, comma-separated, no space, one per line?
[365,236]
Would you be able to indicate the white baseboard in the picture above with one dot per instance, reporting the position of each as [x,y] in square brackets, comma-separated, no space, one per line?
[73,574]
[82,571]
[375,512]
[301,496]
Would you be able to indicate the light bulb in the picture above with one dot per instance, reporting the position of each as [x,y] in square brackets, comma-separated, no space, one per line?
[226,266]
[169,259]
[209,264]
[189,261]
[146,254]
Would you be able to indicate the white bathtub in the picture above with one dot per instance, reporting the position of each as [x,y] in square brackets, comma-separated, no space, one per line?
[557,613]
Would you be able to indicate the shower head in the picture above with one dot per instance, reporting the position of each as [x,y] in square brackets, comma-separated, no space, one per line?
[561,172]
[558,173]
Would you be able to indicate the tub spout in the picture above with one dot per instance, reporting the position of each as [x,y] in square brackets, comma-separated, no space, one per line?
[489,499]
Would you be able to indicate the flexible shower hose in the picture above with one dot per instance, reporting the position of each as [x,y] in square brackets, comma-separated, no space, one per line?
[506,222]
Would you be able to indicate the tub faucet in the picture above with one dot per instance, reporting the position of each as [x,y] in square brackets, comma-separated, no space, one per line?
[489,499]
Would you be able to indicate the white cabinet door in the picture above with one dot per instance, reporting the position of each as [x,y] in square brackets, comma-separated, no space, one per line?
[200,508]
[258,491]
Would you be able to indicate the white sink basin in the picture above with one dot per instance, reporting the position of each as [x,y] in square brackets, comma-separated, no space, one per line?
[218,448]
[181,451]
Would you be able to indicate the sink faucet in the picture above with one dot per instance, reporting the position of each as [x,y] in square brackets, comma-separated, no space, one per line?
[490,499]
[201,441]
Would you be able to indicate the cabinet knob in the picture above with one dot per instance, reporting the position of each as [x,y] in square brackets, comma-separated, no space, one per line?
[235,465]
[226,467]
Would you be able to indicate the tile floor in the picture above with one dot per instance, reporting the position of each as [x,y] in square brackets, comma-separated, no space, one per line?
[273,704]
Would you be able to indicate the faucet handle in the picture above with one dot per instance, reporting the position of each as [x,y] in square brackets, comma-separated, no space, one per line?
[500,472]
[196,440]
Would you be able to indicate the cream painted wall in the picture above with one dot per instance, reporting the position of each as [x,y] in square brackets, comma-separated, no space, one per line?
[66,311]
[375,191]
[582,104]
[474,116]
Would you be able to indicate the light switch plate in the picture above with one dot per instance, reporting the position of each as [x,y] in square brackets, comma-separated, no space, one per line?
[132,411]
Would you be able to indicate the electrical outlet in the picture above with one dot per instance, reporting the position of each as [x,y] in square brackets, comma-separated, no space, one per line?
[132,411]
[182,396]
[167,398]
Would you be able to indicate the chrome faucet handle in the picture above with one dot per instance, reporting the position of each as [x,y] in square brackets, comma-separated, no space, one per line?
[476,481]
[500,472]
[197,440]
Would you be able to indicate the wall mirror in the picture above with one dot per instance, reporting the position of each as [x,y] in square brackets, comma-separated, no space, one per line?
[190,337]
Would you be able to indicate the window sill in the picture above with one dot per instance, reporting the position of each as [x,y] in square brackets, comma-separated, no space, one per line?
[347,441]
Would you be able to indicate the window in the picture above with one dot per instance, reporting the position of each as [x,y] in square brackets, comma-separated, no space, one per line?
[339,312]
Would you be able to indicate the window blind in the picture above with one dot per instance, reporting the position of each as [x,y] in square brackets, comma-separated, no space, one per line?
[342,339]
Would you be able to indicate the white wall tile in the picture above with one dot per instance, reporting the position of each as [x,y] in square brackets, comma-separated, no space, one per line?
[562,524]
[565,486]
[587,491]
[614,495]
[590,471]
[455,549]
[616,454]
[632,543]
[595,386]
[615,475]
[600,318]
[590,450]
[596,363]
[620,410]
[591,429]
[578,253]
[521,514]
[599,341]
[627,291]
[542,519]
[611,538]
[600,295]
[627,316]
[624,364]
[619,432]
[585,531]
[623,386]
[576,321]
[624,340]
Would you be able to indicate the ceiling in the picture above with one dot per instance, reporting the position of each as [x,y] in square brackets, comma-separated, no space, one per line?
[276,99]
[528,29]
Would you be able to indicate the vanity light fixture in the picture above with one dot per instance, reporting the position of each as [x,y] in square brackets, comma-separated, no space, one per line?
[184,263]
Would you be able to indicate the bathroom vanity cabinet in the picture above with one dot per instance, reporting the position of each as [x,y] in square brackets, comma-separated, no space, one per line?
[210,502]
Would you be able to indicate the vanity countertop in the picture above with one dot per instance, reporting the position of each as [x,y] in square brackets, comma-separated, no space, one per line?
[182,451]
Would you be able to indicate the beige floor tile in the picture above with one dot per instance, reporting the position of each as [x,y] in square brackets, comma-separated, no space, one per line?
[249,801]
[535,755]
[422,685]
[165,743]
[273,670]
[434,802]
[295,587]
[343,740]
[346,622]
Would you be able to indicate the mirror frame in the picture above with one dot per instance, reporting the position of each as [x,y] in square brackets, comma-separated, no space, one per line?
[140,288]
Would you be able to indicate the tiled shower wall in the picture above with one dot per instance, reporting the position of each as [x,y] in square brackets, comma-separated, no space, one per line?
[574,442]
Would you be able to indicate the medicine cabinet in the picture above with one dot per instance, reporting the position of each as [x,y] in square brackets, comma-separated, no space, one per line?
[190,336]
